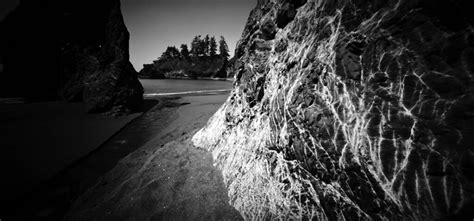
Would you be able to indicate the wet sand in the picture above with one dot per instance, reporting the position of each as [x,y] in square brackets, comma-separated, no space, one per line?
[166,179]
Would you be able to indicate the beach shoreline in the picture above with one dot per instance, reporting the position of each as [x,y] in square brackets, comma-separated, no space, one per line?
[184,78]
[168,178]
[170,119]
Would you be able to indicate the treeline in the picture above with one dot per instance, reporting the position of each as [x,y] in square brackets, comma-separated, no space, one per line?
[200,47]
[206,58]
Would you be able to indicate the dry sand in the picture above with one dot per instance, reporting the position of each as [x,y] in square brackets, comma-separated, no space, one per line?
[166,179]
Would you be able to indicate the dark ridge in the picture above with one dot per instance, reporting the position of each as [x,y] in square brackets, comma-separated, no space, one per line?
[73,50]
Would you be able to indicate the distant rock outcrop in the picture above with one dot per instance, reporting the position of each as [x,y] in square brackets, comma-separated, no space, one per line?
[202,61]
[77,50]
[180,68]
[350,110]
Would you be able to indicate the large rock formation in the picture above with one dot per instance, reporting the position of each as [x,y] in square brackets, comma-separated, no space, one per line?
[350,110]
[77,50]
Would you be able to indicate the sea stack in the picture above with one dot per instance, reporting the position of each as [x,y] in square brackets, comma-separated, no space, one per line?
[73,50]
[350,110]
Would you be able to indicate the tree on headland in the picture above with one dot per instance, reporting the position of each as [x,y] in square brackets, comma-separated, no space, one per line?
[170,53]
[204,57]
[224,49]
[202,47]
[206,44]
[199,47]
[195,46]
[185,51]
[213,46]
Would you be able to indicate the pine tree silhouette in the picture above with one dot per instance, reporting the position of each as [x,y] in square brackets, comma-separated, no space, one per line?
[213,46]
[206,45]
[195,44]
[185,51]
[224,49]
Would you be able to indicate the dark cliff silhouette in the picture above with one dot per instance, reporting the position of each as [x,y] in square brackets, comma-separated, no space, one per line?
[73,50]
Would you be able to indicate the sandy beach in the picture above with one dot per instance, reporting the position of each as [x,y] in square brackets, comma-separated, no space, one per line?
[166,179]
[159,135]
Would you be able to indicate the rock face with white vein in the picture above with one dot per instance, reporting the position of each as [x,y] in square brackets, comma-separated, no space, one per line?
[351,110]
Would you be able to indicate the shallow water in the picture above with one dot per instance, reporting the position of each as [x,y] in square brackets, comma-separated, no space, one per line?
[167,87]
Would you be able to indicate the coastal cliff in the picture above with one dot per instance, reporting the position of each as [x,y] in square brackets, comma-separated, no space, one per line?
[74,50]
[350,110]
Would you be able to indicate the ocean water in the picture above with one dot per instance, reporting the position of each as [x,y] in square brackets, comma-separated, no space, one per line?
[166,87]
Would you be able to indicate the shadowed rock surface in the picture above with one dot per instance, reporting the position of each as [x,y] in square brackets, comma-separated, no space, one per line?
[76,50]
[350,110]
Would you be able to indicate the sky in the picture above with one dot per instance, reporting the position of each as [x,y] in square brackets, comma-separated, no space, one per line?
[156,24]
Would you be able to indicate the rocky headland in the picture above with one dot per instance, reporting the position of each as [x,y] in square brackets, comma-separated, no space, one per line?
[207,67]
[202,61]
